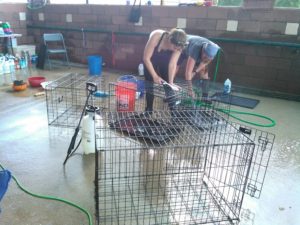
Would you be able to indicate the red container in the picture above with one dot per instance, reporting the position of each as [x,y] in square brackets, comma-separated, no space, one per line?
[125,96]
[36,81]
[208,3]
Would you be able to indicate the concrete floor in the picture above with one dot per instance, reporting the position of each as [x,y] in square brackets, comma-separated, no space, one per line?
[34,153]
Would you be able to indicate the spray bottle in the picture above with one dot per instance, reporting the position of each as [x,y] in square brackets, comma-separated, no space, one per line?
[92,125]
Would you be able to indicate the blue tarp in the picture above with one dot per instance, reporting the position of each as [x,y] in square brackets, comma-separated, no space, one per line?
[5,177]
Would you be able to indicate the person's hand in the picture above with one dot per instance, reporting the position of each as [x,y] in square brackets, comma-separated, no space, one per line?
[190,90]
[191,93]
[175,87]
[204,76]
[158,80]
[203,72]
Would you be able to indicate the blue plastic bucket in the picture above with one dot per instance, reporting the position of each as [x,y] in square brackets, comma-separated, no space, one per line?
[128,78]
[95,64]
[141,87]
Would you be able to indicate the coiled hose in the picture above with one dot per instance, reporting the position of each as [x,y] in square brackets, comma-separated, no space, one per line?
[231,112]
[234,113]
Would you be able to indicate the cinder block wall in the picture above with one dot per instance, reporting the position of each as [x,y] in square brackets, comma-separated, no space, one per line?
[17,16]
[264,63]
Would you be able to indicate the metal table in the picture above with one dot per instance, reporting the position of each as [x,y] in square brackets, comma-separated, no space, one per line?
[8,38]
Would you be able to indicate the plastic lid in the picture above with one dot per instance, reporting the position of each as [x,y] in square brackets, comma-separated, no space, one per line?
[90,108]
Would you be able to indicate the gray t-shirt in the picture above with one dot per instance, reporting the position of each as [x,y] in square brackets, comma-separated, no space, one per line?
[194,48]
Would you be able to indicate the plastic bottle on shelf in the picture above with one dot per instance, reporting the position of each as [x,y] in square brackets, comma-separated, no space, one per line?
[6,67]
[17,65]
[2,60]
[12,69]
[28,60]
[227,86]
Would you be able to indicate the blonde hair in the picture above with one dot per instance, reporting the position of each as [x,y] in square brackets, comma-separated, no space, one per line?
[177,37]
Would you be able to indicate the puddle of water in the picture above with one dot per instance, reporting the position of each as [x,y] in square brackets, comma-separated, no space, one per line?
[286,154]
[280,200]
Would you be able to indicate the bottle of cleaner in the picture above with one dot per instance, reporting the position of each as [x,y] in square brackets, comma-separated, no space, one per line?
[6,67]
[2,60]
[227,86]
[141,69]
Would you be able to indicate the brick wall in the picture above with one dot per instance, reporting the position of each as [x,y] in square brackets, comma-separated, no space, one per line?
[17,16]
[261,63]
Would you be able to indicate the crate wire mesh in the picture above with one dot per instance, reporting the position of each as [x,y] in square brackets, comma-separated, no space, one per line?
[263,148]
[184,175]
[164,98]
[66,98]
[187,165]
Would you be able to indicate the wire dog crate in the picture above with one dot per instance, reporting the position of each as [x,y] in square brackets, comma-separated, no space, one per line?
[165,170]
[188,165]
[66,96]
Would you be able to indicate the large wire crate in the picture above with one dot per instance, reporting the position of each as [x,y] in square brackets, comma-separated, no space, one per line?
[165,170]
[185,165]
[66,97]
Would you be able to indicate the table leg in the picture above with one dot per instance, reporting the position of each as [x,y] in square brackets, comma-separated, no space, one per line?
[11,45]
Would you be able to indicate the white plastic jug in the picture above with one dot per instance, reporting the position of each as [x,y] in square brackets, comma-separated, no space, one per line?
[1,66]
[88,133]
[141,69]
[92,128]
[6,67]
[227,86]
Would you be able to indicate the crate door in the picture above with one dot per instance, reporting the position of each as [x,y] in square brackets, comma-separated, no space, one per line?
[261,156]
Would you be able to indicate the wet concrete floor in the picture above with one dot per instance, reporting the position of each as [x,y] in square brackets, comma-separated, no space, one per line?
[34,153]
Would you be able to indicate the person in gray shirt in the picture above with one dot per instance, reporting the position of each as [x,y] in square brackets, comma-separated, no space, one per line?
[199,52]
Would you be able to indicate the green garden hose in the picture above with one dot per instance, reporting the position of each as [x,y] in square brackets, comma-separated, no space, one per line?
[232,112]
[53,198]
[217,66]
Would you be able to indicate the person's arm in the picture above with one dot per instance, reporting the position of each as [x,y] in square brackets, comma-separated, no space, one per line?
[173,68]
[202,69]
[190,64]
[148,52]
[189,74]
